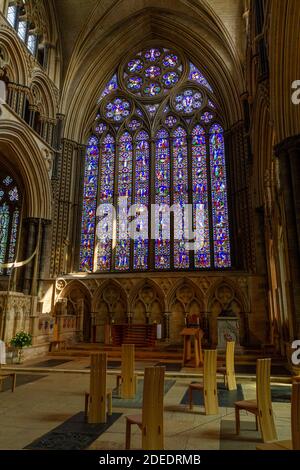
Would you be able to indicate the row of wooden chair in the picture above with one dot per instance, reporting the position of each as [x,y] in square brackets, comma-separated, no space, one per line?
[150,421]
[98,402]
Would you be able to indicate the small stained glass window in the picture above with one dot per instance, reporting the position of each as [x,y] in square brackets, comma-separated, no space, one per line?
[9,221]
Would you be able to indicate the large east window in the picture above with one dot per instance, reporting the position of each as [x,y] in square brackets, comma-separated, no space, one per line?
[157,140]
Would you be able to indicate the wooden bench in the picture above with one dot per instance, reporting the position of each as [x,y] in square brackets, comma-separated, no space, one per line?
[58,345]
[12,376]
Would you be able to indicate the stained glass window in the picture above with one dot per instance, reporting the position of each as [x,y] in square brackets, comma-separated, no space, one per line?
[9,220]
[196,76]
[122,261]
[200,196]
[155,187]
[219,198]
[162,199]
[180,197]
[141,200]
[89,205]
[106,197]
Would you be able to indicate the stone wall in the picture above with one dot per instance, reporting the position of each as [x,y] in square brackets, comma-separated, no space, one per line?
[168,299]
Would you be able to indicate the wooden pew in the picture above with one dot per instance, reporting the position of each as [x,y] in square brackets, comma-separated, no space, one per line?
[294,444]
[151,421]
[127,381]
[228,371]
[209,385]
[262,406]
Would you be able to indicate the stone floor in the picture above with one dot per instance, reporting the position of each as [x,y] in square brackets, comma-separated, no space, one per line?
[40,406]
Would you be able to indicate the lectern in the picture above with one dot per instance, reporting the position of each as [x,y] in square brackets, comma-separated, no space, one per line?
[192,357]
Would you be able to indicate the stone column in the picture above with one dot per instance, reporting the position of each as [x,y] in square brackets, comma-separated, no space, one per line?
[167,326]
[93,322]
[288,153]
[239,200]
[45,248]
[31,225]
[12,95]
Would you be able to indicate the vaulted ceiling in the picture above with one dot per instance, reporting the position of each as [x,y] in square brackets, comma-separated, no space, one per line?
[77,18]
[96,35]
[72,16]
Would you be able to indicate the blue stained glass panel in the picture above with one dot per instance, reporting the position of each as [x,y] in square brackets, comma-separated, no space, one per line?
[196,76]
[219,198]
[180,198]
[142,178]
[106,185]
[200,197]
[110,87]
[88,223]
[162,197]
[125,151]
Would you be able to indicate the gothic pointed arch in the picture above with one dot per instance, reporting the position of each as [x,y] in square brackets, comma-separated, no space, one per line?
[111,292]
[17,143]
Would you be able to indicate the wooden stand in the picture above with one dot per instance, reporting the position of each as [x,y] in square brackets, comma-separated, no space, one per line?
[192,335]
[97,405]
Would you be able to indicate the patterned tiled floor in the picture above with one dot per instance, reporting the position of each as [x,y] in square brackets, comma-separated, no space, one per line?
[38,407]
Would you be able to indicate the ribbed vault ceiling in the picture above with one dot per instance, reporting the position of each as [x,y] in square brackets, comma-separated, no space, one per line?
[79,16]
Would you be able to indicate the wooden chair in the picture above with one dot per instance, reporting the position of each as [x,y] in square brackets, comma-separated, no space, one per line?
[228,371]
[262,406]
[127,381]
[150,421]
[294,444]
[96,404]
[87,403]
[209,385]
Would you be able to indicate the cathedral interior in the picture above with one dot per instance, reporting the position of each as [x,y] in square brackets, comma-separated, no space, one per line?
[134,105]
